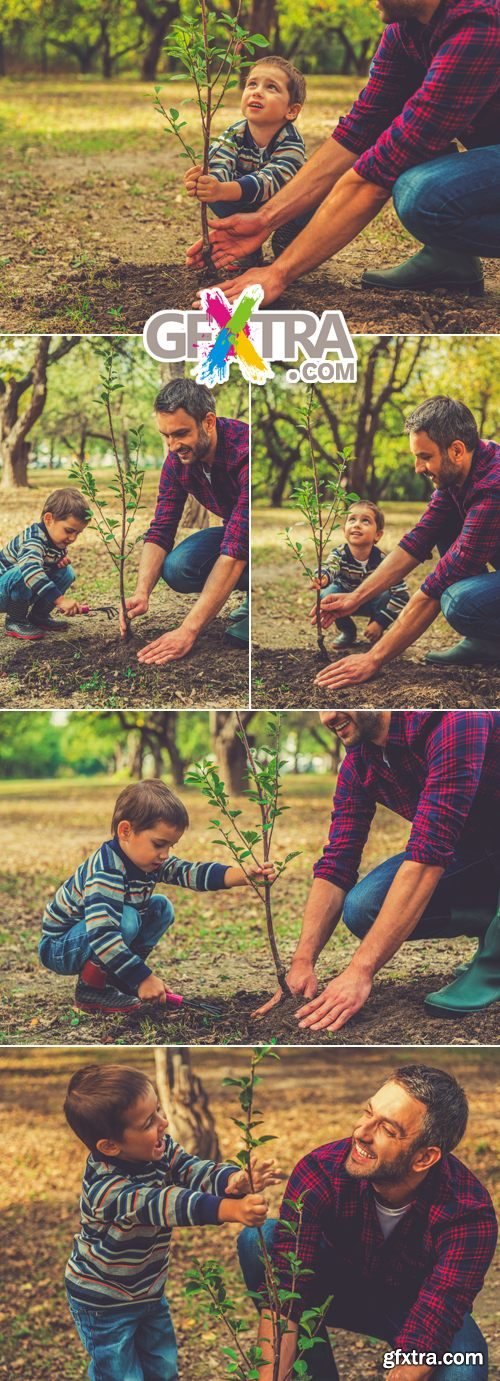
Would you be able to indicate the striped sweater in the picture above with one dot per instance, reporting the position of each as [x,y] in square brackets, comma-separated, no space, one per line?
[34,553]
[347,572]
[97,893]
[235,157]
[128,1210]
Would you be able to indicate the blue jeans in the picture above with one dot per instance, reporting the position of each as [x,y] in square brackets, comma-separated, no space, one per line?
[16,597]
[359,1317]
[130,1344]
[463,903]
[370,610]
[67,953]
[472,606]
[453,202]
[188,566]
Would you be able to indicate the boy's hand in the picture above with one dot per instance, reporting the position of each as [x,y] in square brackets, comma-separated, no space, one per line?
[319,582]
[236,877]
[251,1210]
[191,179]
[373,631]
[208,188]
[68,606]
[152,989]
[264,1173]
[63,561]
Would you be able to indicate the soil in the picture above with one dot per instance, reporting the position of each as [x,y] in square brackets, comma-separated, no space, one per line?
[283,678]
[76,670]
[306,1098]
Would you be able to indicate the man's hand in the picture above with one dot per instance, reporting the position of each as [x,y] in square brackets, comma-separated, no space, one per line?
[373,631]
[264,1173]
[230,240]
[338,1002]
[169,648]
[301,979]
[270,279]
[152,989]
[68,606]
[335,607]
[350,671]
[136,605]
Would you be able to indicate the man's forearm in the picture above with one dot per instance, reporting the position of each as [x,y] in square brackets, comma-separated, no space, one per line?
[392,569]
[267,1340]
[322,913]
[309,186]
[405,903]
[413,620]
[347,209]
[150,566]
[217,588]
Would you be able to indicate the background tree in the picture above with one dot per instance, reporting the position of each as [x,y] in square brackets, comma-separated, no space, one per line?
[17,421]
[185,1102]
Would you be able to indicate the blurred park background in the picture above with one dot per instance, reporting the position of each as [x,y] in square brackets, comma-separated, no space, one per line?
[306,1098]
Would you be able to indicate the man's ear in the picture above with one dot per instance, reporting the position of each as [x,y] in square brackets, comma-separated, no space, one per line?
[425,1158]
[106,1147]
[210,420]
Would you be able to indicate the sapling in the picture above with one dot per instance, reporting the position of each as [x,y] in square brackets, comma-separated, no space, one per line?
[208,1280]
[213,54]
[126,484]
[323,504]
[264,773]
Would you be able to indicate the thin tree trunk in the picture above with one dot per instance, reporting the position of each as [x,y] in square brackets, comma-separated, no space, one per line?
[185,1103]
[229,749]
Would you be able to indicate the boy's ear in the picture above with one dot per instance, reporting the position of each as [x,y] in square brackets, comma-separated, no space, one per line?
[294,111]
[106,1147]
[124,829]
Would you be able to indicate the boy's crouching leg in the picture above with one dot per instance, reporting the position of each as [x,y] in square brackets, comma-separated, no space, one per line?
[143,932]
[156,1343]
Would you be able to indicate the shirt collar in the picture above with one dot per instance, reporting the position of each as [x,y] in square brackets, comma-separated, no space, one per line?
[131,868]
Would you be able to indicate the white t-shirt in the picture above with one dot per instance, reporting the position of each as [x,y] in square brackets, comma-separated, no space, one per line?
[389,1217]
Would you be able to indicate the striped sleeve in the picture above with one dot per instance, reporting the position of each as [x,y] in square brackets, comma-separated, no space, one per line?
[30,558]
[203,1175]
[113,1199]
[223,154]
[199,877]
[287,157]
[399,596]
[103,900]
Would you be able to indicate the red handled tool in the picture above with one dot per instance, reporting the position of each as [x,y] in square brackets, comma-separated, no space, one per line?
[109,610]
[193,1003]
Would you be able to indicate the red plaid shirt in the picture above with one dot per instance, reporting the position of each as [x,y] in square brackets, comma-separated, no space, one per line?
[467,517]
[226,493]
[439,770]
[428,84]
[431,1266]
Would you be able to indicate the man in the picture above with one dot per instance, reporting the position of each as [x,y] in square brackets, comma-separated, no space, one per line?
[207,457]
[442,772]
[395,1228]
[435,78]
[463,520]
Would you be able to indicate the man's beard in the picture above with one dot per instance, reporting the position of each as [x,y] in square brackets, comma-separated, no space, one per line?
[396,11]
[366,724]
[449,473]
[202,445]
[384,1174]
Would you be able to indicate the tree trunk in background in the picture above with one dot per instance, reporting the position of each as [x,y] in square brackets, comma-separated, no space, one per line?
[157,26]
[15,428]
[185,1103]
[229,749]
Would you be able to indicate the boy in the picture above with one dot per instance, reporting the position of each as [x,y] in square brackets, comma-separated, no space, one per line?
[359,556]
[34,569]
[255,157]
[104,921]
[137,1186]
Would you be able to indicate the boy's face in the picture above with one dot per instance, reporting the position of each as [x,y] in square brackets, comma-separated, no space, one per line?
[360,527]
[266,99]
[143,1137]
[63,531]
[148,848]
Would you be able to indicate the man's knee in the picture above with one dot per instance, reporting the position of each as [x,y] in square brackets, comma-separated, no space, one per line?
[457,602]
[176,573]
[418,200]
[357,911]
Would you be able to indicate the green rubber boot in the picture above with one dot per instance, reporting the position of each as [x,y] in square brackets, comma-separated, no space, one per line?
[428,269]
[238,634]
[464,968]
[478,987]
[467,653]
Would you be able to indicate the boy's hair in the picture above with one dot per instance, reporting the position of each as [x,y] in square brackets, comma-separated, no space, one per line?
[196,399]
[373,507]
[146,802]
[67,503]
[98,1099]
[295,81]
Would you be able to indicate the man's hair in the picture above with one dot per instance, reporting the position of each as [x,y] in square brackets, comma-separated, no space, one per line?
[445,421]
[146,802]
[295,81]
[374,508]
[447,1107]
[98,1099]
[196,399]
[67,503]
